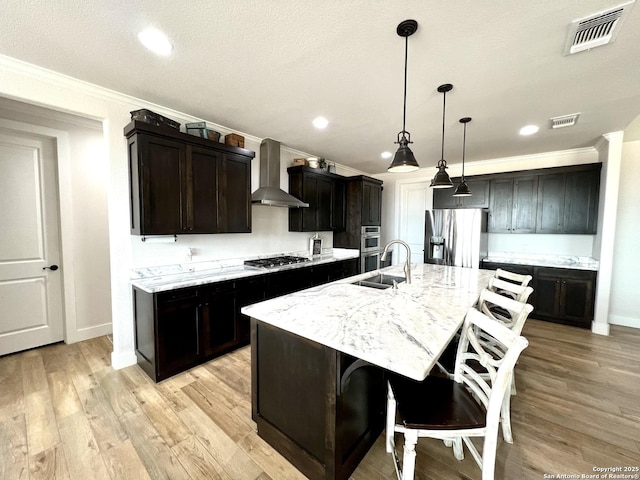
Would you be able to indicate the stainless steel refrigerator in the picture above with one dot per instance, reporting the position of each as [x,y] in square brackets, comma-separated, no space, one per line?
[455,237]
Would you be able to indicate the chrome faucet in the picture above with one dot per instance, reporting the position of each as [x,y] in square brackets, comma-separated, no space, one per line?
[407,264]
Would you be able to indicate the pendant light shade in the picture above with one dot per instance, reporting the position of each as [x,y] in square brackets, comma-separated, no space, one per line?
[441,179]
[462,190]
[404,160]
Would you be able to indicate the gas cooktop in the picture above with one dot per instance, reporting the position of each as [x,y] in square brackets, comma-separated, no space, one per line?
[275,261]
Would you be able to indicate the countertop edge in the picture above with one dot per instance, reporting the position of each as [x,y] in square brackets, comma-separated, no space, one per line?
[195,279]
[592,265]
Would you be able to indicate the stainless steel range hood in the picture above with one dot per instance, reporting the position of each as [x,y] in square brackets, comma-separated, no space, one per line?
[269,192]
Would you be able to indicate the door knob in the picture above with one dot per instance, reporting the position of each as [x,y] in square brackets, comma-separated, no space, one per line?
[53,268]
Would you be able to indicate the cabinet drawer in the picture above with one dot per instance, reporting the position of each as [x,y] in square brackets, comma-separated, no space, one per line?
[177,295]
[564,273]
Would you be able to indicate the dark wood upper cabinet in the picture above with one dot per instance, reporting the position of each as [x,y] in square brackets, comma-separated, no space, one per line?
[443,197]
[363,208]
[325,194]
[202,177]
[182,184]
[551,200]
[581,202]
[568,202]
[371,201]
[525,196]
[158,178]
[512,205]
[500,205]
[551,190]
[234,194]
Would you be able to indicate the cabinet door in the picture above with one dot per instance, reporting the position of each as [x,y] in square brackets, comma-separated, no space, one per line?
[443,198]
[202,201]
[551,190]
[324,203]
[162,173]
[248,291]
[178,336]
[500,205]
[525,195]
[479,194]
[338,214]
[371,203]
[577,300]
[219,321]
[581,202]
[288,281]
[310,196]
[234,194]
[344,269]
[547,290]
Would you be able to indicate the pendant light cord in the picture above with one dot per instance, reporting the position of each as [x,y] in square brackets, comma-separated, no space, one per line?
[464,146]
[404,102]
[444,105]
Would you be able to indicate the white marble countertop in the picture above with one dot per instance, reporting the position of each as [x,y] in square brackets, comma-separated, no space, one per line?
[558,261]
[170,277]
[403,330]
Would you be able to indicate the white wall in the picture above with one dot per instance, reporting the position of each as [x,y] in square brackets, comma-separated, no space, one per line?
[27,83]
[624,304]
[85,237]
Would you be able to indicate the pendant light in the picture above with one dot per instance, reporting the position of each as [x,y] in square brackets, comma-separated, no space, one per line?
[441,179]
[404,160]
[462,190]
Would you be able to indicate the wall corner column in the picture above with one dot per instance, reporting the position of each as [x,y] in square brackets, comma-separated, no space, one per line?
[611,156]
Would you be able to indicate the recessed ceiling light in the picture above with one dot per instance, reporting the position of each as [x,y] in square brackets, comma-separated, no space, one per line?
[156,41]
[320,122]
[529,130]
[386,155]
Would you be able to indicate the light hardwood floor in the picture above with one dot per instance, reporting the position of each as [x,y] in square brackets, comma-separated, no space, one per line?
[65,414]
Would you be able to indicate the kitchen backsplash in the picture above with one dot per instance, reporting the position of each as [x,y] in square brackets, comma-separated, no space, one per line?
[573,245]
[270,235]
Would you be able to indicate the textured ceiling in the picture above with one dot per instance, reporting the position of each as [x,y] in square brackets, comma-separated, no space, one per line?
[268,68]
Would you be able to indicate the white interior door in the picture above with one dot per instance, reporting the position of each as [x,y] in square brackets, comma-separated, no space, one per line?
[415,199]
[30,293]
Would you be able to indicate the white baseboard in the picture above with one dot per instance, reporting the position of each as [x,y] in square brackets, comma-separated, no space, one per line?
[624,321]
[600,328]
[122,360]
[90,332]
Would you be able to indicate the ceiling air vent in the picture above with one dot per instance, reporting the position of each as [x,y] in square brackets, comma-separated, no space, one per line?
[564,120]
[596,30]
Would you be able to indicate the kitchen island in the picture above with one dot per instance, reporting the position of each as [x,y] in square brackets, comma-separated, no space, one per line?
[320,357]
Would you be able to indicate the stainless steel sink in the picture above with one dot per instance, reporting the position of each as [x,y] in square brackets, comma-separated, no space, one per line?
[380,281]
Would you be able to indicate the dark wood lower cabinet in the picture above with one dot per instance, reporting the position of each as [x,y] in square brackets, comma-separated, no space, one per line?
[249,290]
[312,404]
[561,295]
[181,328]
[565,295]
[178,324]
[219,319]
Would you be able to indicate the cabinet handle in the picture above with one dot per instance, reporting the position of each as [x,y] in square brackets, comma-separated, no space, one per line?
[198,330]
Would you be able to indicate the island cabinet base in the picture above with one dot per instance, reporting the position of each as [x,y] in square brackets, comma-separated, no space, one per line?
[320,408]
